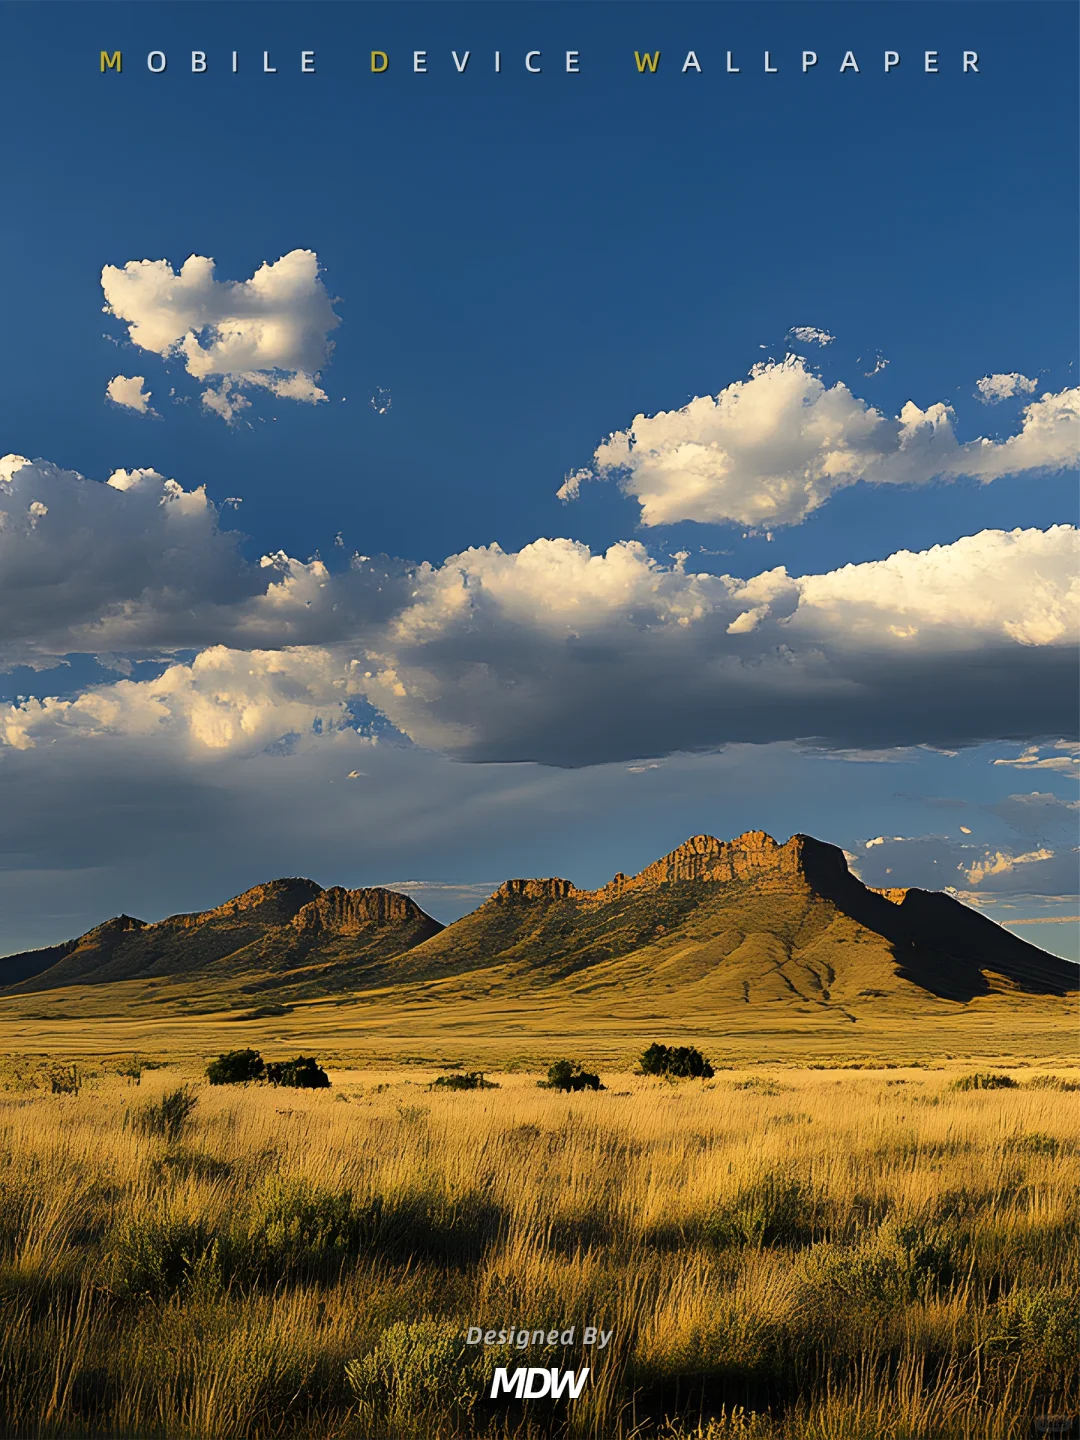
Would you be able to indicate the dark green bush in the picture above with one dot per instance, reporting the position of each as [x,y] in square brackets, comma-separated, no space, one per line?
[681,1062]
[468,1080]
[1052,1082]
[157,1253]
[568,1075]
[984,1081]
[303,1073]
[168,1116]
[236,1067]
[65,1080]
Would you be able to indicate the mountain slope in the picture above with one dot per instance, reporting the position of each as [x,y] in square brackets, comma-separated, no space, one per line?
[723,925]
[284,928]
[745,921]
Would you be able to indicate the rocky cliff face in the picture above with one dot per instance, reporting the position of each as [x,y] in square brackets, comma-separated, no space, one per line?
[274,903]
[702,859]
[348,912]
[546,890]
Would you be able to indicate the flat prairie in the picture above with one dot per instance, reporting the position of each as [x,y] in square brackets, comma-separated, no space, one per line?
[782,1252]
[457,1021]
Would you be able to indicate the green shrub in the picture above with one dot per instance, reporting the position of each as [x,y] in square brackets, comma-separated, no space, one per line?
[236,1067]
[681,1062]
[168,1116]
[153,1255]
[984,1081]
[469,1080]
[1037,1142]
[303,1073]
[568,1075]
[418,1368]
[1052,1082]
[65,1080]
[1036,1326]
[132,1070]
[774,1210]
[298,1230]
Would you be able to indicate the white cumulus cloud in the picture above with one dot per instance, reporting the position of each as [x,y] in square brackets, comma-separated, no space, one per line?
[130,391]
[556,653]
[223,702]
[138,564]
[551,653]
[935,862]
[771,449]
[994,388]
[810,335]
[271,331]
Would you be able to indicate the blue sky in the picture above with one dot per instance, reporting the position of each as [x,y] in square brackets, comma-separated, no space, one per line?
[525,263]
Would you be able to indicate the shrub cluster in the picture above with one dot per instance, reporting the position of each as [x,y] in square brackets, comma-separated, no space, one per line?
[984,1081]
[468,1080]
[303,1073]
[681,1062]
[568,1075]
[238,1067]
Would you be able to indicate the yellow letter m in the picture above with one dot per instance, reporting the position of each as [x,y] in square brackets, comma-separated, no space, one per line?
[647,62]
[110,62]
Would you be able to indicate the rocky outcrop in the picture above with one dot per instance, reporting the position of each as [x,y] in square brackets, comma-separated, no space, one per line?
[118,925]
[894,895]
[511,891]
[351,912]
[702,860]
[274,903]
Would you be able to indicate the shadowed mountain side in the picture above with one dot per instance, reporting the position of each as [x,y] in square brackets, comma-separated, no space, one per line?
[939,944]
[743,921]
[274,929]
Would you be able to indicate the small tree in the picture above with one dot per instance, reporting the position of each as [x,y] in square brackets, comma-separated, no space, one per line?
[236,1067]
[303,1073]
[567,1075]
[681,1062]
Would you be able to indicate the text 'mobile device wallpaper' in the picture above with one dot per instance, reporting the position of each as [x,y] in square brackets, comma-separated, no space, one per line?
[529,533]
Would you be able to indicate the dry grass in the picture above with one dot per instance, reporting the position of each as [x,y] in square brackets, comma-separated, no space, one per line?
[440,1021]
[783,1254]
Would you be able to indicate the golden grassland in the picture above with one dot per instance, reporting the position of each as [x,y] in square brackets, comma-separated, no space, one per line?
[783,1253]
[436,1022]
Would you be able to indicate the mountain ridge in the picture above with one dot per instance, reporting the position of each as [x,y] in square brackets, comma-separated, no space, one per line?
[748,921]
